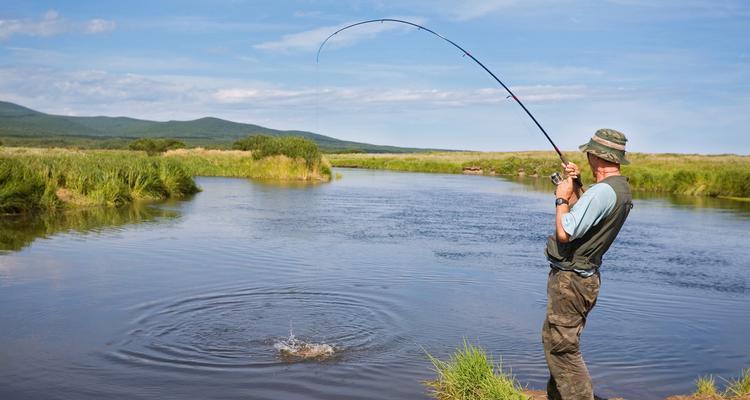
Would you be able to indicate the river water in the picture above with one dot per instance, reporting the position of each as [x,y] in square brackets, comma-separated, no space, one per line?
[190,299]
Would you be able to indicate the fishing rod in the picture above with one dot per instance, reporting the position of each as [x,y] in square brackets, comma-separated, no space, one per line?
[466,53]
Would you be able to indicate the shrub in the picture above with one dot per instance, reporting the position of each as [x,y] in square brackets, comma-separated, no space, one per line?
[155,146]
[290,146]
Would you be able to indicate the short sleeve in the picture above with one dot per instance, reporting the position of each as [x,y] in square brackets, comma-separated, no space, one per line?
[593,206]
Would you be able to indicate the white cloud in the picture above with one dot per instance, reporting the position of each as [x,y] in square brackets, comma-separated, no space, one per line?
[311,39]
[51,24]
[99,26]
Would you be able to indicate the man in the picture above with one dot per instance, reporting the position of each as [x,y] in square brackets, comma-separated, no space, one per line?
[585,227]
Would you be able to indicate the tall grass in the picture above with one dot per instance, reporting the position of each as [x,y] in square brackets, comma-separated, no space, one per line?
[238,163]
[740,386]
[705,386]
[50,179]
[470,375]
[702,175]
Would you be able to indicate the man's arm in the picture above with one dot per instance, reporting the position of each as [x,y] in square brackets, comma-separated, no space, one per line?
[563,191]
[573,222]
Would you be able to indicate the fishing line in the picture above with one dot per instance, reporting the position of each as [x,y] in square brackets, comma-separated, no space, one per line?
[465,54]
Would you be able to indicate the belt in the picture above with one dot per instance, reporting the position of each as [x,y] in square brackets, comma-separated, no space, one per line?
[584,273]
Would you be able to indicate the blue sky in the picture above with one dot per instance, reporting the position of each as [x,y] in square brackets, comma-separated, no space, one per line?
[673,75]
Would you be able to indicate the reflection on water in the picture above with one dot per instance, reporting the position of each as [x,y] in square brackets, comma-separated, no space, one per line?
[19,231]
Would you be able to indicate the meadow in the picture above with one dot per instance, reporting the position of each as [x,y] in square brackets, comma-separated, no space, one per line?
[53,179]
[700,175]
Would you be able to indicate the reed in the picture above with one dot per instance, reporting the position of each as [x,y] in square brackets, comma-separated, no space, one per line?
[699,175]
[705,386]
[739,387]
[470,374]
[239,163]
[35,179]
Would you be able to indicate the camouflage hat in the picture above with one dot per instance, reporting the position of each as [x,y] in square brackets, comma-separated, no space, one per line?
[608,144]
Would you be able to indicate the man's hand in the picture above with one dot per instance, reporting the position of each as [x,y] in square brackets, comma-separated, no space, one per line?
[571,170]
[565,189]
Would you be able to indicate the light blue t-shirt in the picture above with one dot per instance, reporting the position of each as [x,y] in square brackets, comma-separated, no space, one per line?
[595,204]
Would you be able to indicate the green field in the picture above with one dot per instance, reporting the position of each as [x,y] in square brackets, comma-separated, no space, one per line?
[53,179]
[699,175]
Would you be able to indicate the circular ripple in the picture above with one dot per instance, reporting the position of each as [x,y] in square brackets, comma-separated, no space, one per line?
[238,328]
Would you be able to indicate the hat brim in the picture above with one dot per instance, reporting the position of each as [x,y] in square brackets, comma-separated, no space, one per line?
[605,153]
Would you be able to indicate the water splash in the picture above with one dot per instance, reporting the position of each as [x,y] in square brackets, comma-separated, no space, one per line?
[296,349]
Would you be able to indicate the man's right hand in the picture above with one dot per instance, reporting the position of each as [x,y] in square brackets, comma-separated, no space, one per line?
[571,170]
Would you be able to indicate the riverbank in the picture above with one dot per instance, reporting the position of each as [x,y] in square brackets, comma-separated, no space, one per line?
[726,176]
[34,179]
[470,373]
[240,164]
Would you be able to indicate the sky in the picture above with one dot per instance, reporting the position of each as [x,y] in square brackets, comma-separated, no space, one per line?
[673,75]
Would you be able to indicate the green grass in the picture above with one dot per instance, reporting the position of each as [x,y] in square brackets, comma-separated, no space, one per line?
[51,179]
[236,163]
[33,180]
[706,386]
[740,386]
[470,375]
[699,175]
[263,146]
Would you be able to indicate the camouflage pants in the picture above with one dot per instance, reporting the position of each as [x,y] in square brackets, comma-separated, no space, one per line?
[570,297]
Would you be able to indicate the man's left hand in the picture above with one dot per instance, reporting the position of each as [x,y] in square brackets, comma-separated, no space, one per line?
[565,189]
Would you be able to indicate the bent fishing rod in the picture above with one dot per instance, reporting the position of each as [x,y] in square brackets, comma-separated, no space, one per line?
[465,53]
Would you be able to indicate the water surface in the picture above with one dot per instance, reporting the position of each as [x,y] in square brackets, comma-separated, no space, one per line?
[188,299]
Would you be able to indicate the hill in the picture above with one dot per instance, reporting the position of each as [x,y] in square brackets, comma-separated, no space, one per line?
[23,126]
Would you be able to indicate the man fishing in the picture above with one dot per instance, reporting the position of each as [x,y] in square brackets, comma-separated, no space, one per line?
[585,227]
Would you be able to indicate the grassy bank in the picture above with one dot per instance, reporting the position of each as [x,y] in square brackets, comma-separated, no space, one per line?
[51,179]
[236,163]
[701,175]
[470,375]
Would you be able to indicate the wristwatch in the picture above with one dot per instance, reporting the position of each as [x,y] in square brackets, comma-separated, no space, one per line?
[559,201]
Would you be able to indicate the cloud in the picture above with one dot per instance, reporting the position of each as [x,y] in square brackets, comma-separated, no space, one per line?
[52,24]
[311,39]
[99,26]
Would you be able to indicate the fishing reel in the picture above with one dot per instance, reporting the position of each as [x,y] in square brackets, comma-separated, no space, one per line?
[556,178]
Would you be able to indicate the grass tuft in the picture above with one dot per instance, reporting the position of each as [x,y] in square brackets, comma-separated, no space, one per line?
[706,386]
[740,386]
[470,375]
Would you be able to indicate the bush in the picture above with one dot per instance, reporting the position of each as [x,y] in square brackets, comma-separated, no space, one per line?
[155,146]
[250,143]
[290,146]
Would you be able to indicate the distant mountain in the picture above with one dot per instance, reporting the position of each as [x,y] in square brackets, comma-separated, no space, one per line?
[21,124]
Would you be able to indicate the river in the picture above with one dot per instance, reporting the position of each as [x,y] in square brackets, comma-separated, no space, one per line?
[187,299]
